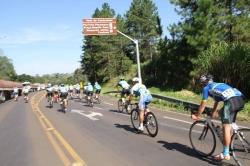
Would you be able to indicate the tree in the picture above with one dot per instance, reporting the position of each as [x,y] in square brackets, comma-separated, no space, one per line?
[7,71]
[141,24]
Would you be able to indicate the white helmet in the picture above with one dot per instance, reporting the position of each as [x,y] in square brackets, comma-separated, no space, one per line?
[96,83]
[89,83]
[135,79]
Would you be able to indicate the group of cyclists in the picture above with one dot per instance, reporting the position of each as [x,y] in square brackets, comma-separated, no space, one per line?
[232,98]
[61,92]
[139,90]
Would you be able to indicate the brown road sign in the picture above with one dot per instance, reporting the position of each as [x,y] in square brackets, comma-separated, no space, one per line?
[99,26]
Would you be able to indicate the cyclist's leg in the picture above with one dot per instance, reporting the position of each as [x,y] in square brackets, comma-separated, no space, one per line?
[141,106]
[229,113]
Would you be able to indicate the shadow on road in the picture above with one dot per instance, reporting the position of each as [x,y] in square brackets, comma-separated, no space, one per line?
[190,152]
[125,127]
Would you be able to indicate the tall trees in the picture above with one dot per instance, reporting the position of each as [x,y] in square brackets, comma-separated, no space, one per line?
[141,24]
[7,71]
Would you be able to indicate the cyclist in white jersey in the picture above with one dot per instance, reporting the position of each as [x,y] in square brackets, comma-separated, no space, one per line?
[145,98]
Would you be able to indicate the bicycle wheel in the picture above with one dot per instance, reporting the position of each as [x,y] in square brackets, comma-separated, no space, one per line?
[135,118]
[240,147]
[151,124]
[202,138]
[120,105]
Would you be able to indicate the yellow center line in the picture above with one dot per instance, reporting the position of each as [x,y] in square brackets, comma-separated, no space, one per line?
[50,127]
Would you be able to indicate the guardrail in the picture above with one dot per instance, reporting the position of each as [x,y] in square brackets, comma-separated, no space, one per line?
[187,104]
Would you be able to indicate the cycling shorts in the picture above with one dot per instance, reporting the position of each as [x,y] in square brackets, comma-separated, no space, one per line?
[90,93]
[77,91]
[144,101]
[64,94]
[125,91]
[71,91]
[230,109]
[97,91]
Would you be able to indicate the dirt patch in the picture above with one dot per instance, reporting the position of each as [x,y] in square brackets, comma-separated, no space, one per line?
[186,93]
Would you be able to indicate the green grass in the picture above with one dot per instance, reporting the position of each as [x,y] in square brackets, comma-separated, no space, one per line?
[243,115]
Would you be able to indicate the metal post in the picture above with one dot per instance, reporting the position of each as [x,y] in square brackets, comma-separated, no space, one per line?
[137,54]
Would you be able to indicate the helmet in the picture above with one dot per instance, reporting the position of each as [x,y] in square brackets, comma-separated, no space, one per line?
[121,79]
[62,85]
[48,86]
[56,85]
[96,83]
[135,79]
[206,78]
[89,83]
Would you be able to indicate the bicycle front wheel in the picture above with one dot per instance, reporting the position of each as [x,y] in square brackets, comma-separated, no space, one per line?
[135,118]
[240,147]
[151,124]
[202,138]
[120,105]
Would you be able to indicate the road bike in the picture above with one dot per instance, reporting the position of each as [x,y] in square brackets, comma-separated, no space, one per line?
[124,105]
[89,100]
[63,107]
[26,98]
[50,101]
[149,122]
[15,96]
[98,100]
[70,95]
[202,138]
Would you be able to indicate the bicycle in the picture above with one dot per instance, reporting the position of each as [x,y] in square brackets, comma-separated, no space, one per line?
[124,105]
[16,96]
[98,99]
[50,101]
[149,122]
[89,100]
[63,107]
[204,132]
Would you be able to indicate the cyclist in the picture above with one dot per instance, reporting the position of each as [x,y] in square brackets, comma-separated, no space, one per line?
[63,95]
[55,90]
[85,90]
[89,91]
[71,89]
[25,92]
[125,88]
[233,102]
[15,92]
[50,92]
[97,88]
[145,98]
[77,89]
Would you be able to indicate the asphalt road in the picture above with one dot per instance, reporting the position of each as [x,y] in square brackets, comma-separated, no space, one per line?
[31,134]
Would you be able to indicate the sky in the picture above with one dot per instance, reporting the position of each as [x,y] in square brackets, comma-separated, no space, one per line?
[45,36]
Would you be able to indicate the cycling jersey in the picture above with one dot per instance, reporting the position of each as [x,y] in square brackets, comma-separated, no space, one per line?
[97,86]
[219,91]
[77,87]
[124,84]
[70,87]
[15,91]
[63,90]
[50,89]
[89,88]
[145,96]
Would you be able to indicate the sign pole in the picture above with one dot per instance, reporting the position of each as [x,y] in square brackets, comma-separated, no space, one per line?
[137,54]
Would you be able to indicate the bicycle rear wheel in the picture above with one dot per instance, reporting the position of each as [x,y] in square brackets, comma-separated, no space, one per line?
[240,147]
[151,124]
[202,138]
[135,118]
[120,105]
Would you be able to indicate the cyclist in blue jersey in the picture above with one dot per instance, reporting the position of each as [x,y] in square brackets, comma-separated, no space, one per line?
[125,88]
[233,102]
[97,88]
[90,91]
[63,95]
[145,98]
